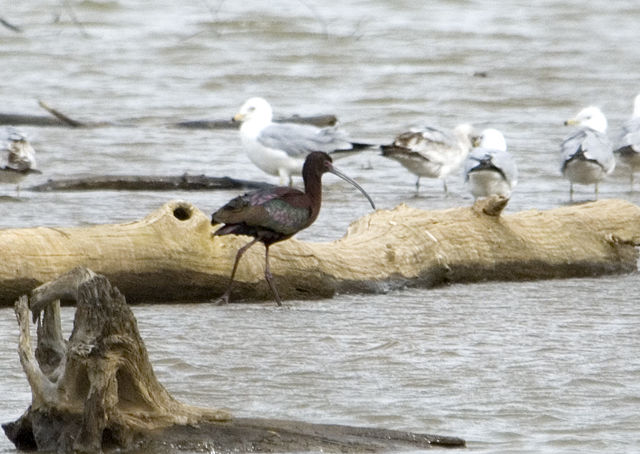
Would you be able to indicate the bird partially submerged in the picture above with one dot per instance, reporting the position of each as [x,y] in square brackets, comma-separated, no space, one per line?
[431,152]
[276,214]
[17,157]
[281,148]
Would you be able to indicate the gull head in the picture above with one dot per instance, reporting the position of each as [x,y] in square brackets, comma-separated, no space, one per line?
[589,117]
[465,135]
[255,110]
[492,139]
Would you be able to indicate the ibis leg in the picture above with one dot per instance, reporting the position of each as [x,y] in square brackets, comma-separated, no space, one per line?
[269,277]
[224,299]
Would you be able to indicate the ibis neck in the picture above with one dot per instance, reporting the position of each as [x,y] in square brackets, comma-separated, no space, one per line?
[313,189]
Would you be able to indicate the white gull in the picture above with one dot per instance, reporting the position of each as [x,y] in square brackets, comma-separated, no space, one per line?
[587,154]
[281,148]
[490,169]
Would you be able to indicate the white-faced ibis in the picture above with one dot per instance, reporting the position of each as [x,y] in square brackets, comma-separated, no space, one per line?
[628,148]
[431,152]
[281,148]
[489,168]
[17,157]
[587,155]
[276,214]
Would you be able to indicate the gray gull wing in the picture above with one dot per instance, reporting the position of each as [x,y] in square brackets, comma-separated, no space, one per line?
[298,140]
[590,145]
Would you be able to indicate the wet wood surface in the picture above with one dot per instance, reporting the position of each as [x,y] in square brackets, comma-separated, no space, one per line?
[171,255]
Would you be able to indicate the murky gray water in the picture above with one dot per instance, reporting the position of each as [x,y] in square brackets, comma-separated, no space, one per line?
[519,367]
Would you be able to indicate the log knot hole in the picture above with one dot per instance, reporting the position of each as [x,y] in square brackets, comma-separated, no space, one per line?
[183,212]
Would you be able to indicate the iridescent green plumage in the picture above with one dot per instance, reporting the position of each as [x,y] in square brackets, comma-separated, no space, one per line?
[276,214]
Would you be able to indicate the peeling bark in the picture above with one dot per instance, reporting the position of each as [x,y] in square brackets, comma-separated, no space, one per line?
[170,255]
[97,391]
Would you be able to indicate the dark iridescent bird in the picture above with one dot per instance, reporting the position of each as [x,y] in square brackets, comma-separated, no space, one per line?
[276,214]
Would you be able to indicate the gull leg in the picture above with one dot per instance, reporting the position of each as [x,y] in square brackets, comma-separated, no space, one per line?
[570,192]
[269,277]
[596,191]
[285,177]
[224,299]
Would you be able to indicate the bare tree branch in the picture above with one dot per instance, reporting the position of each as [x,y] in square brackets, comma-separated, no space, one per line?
[10,26]
[60,116]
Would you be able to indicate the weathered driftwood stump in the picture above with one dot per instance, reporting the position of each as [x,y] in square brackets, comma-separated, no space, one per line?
[97,391]
[98,387]
[170,255]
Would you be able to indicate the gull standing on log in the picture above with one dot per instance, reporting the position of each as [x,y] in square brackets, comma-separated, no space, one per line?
[281,148]
[430,152]
[628,150]
[17,157]
[587,154]
[490,169]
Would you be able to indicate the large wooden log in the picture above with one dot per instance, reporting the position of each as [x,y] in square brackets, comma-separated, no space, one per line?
[170,255]
[98,391]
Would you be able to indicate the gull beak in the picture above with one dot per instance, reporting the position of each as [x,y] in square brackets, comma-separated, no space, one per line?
[238,117]
[571,121]
[475,141]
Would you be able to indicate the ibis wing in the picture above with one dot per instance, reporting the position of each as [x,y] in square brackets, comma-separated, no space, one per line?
[278,209]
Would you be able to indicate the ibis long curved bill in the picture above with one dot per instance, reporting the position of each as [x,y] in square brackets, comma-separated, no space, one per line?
[276,214]
[331,168]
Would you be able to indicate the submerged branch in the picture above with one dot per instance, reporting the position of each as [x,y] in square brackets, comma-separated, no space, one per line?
[60,116]
[10,26]
[148,183]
